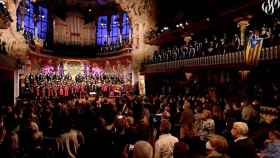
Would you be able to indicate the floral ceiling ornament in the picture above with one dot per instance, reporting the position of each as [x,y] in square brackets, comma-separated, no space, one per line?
[269,6]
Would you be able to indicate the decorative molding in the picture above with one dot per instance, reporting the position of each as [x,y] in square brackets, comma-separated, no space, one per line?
[269,6]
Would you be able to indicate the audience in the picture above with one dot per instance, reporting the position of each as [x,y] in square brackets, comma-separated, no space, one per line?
[211,45]
[198,124]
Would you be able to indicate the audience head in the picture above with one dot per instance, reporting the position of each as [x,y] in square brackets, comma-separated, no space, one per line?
[239,129]
[142,149]
[206,114]
[165,126]
[181,150]
[274,134]
[217,143]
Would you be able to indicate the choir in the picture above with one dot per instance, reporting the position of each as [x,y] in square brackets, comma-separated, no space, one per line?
[48,86]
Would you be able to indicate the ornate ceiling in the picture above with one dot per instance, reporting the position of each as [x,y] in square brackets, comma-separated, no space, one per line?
[170,12]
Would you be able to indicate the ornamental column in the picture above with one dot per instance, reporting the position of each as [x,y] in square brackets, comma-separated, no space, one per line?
[242,24]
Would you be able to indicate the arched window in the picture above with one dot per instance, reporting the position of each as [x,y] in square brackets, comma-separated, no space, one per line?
[25,19]
[102,32]
[126,29]
[115,30]
[117,34]
[42,24]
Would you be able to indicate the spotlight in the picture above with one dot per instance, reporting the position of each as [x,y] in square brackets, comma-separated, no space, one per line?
[177,25]
[90,10]
[165,28]
[207,19]
[43,16]
[181,24]
[186,23]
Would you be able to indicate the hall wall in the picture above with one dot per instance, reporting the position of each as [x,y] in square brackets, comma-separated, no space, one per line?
[6,87]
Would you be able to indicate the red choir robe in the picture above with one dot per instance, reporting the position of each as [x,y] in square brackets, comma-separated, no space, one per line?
[72,90]
[55,88]
[66,91]
[49,90]
[44,91]
[76,90]
[104,88]
[80,91]
[61,93]
[37,91]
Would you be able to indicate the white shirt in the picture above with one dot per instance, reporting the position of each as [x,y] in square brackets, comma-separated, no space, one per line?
[240,138]
[164,146]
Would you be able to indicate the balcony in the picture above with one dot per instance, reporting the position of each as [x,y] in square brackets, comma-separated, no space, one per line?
[231,60]
[82,52]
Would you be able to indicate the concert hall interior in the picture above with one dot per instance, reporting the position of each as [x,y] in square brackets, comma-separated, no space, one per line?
[139,78]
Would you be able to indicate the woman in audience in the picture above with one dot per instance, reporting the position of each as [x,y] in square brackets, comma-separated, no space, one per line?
[272,149]
[207,125]
[216,147]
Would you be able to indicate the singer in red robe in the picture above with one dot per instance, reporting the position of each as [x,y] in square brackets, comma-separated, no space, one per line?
[37,91]
[61,93]
[55,89]
[66,90]
[49,90]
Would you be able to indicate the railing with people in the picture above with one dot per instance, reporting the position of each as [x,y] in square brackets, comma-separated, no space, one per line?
[234,58]
[263,44]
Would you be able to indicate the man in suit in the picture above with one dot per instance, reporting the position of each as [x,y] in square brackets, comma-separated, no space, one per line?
[243,146]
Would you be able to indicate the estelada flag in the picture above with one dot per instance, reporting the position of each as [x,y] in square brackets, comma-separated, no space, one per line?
[253,50]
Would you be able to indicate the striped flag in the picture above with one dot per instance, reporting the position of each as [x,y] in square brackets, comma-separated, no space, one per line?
[253,50]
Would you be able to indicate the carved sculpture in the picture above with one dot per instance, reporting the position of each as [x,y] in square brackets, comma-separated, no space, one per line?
[15,42]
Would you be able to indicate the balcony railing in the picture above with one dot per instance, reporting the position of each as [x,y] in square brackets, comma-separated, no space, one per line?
[81,52]
[231,59]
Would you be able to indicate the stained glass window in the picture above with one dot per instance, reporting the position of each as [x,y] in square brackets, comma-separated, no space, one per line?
[28,20]
[117,33]
[126,29]
[42,24]
[102,32]
[115,30]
